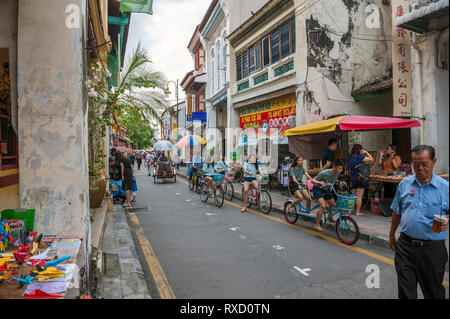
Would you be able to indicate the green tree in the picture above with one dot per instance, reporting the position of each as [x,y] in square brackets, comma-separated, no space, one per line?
[141,91]
[139,129]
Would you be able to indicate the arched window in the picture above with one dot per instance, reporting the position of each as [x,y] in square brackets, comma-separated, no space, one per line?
[217,67]
[224,62]
[212,72]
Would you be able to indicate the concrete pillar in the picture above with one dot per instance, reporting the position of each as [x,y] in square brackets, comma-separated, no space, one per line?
[52,116]
[301,62]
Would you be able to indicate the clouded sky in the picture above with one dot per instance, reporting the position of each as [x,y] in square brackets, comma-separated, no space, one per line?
[166,35]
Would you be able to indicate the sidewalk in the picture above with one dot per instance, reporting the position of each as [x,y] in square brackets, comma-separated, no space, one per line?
[373,227]
[123,277]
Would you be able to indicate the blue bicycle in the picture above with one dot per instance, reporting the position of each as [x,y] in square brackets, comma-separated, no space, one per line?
[346,227]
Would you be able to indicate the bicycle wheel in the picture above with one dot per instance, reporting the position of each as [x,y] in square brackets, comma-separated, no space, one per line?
[192,183]
[249,197]
[347,230]
[219,196]
[204,194]
[291,216]
[198,187]
[229,191]
[265,201]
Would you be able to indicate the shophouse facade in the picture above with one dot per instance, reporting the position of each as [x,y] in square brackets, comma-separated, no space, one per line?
[295,62]
[428,22]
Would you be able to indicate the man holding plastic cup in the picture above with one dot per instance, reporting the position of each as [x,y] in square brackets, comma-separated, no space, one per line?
[420,253]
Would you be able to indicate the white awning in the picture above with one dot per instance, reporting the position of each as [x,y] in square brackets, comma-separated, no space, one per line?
[417,19]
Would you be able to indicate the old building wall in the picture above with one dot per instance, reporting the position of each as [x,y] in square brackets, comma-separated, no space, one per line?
[431,97]
[349,47]
[241,11]
[53,116]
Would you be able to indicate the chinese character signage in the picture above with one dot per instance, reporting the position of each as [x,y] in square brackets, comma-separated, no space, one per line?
[166,127]
[273,114]
[401,62]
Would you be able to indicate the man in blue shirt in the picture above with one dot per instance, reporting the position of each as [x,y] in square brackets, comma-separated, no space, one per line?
[420,254]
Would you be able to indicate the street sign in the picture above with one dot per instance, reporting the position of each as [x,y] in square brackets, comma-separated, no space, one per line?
[199,117]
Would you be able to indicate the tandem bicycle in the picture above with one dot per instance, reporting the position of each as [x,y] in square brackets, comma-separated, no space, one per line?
[346,228]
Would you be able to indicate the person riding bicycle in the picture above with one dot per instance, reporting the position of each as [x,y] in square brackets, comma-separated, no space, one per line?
[324,195]
[222,165]
[163,157]
[250,170]
[296,186]
[197,162]
[208,170]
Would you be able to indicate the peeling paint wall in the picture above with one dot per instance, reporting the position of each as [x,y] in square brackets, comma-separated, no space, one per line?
[433,88]
[52,118]
[339,61]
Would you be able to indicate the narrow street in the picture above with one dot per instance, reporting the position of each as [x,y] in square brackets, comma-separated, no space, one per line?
[207,252]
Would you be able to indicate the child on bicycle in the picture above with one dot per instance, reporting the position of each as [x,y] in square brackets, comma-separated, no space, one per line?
[250,170]
[296,186]
[324,196]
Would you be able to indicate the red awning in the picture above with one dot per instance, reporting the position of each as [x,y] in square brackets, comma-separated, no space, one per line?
[357,122]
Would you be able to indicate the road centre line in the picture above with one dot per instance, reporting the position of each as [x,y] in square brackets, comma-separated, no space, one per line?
[164,289]
[314,233]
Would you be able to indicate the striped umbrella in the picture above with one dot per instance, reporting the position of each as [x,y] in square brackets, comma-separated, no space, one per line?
[190,140]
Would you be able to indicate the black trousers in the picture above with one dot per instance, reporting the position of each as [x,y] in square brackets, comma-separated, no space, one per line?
[389,190]
[420,264]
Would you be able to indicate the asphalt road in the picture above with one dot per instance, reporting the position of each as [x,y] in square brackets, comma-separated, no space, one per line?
[196,250]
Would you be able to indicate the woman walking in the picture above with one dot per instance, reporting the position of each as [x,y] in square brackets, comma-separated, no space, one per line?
[127,171]
[358,157]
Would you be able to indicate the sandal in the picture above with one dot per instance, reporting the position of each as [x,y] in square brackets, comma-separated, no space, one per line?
[359,214]
[243,210]
[318,228]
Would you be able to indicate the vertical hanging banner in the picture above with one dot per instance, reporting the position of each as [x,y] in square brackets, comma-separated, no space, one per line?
[401,62]
[140,6]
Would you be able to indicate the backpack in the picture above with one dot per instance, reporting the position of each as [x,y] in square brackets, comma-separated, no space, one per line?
[362,174]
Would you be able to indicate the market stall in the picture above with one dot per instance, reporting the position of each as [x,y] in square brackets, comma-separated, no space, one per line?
[32,265]
[309,140]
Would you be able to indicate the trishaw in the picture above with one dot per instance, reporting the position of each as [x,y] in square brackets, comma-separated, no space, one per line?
[164,171]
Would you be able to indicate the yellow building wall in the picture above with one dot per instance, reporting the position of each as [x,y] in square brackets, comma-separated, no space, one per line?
[9,195]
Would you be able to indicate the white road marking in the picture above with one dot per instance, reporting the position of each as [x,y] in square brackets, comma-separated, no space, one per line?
[234,228]
[177,193]
[278,247]
[210,214]
[302,271]
[243,237]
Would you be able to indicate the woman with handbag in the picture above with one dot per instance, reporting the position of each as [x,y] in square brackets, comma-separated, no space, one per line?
[359,173]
